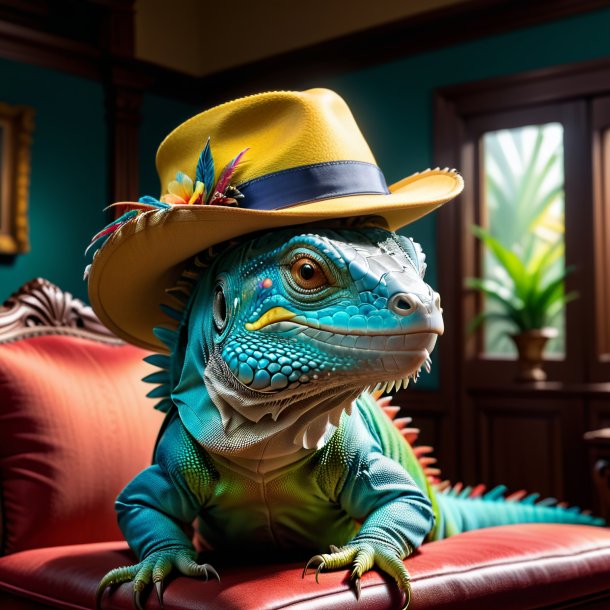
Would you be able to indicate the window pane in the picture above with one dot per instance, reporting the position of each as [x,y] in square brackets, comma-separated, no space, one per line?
[523,209]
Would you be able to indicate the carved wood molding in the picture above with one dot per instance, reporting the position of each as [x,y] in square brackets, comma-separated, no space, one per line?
[41,308]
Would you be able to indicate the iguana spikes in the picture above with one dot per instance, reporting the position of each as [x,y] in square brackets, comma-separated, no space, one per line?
[495,493]
[401,423]
[181,293]
[164,405]
[466,492]
[391,411]
[531,499]
[478,490]
[167,336]
[410,434]
[161,391]
[161,361]
[157,377]
[516,496]
[174,314]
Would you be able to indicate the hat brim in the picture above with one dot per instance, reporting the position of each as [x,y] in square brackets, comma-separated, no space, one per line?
[133,269]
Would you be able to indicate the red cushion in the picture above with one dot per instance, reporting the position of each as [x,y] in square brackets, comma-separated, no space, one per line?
[75,427]
[504,568]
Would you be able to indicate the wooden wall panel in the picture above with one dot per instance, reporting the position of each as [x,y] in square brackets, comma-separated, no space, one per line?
[521,448]
[599,414]
[533,444]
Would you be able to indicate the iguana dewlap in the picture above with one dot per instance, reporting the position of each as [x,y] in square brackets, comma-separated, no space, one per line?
[271,438]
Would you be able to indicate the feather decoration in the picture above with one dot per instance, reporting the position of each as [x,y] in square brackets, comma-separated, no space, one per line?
[99,242]
[218,199]
[205,168]
[148,200]
[144,204]
[115,224]
[228,171]
[100,238]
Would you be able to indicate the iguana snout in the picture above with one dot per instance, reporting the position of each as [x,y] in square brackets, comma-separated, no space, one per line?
[325,307]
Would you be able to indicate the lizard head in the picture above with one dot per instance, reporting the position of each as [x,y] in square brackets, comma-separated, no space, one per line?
[301,307]
[291,326]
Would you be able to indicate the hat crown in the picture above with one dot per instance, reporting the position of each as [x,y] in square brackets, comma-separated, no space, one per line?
[283,129]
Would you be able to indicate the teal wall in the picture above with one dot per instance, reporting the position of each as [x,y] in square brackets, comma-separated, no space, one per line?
[392,102]
[69,169]
[68,180]
[159,117]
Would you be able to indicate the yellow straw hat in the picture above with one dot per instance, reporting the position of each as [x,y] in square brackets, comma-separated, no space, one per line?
[257,163]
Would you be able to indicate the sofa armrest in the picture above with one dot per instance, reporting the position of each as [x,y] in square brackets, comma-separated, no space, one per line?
[75,423]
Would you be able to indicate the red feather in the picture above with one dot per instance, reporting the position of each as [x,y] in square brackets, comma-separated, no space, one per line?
[228,171]
[109,229]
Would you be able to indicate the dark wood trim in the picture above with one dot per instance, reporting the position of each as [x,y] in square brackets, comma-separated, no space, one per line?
[101,34]
[401,38]
[462,113]
[600,128]
[41,308]
[21,43]
[124,93]
[464,109]
[527,89]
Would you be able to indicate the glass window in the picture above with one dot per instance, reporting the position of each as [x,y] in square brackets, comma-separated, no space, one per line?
[523,209]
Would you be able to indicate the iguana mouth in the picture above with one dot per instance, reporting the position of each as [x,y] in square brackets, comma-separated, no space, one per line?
[280,319]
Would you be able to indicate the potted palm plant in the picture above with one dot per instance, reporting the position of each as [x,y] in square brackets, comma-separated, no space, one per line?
[529,295]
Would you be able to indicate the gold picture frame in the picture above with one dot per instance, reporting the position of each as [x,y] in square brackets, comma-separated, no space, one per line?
[16,128]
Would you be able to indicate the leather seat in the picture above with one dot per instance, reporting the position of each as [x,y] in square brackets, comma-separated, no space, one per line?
[508,567]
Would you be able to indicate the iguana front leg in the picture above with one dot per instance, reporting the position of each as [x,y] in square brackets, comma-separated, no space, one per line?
[396,517]
[153,510]
[156,567]
[361,557]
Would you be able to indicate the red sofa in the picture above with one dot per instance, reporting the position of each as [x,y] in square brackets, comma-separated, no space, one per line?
[75,427]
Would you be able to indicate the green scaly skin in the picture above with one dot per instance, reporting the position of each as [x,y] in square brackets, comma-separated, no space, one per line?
[271,438]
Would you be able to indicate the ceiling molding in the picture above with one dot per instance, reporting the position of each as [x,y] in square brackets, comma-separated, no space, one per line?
[96,47]
[415,34]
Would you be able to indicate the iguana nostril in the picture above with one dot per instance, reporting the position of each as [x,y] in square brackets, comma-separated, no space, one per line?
[403,304]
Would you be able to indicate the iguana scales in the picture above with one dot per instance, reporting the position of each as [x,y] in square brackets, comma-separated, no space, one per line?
[272,439]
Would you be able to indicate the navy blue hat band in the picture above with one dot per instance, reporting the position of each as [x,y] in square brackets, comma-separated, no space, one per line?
[312,182]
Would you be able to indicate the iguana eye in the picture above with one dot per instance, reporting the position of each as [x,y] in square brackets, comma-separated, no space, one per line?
[219,309]
[308,274]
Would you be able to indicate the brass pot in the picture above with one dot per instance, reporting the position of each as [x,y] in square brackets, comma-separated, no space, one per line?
[530,345]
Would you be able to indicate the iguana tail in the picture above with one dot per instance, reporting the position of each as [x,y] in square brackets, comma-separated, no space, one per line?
[464,509]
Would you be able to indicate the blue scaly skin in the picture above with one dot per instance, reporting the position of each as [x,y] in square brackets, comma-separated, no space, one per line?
[271,439]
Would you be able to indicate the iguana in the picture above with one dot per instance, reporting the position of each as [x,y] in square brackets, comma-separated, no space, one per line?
[272,438]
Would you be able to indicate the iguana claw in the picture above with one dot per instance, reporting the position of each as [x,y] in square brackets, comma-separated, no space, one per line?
[137,599]
[159,590]
[363,556]
[156,567]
